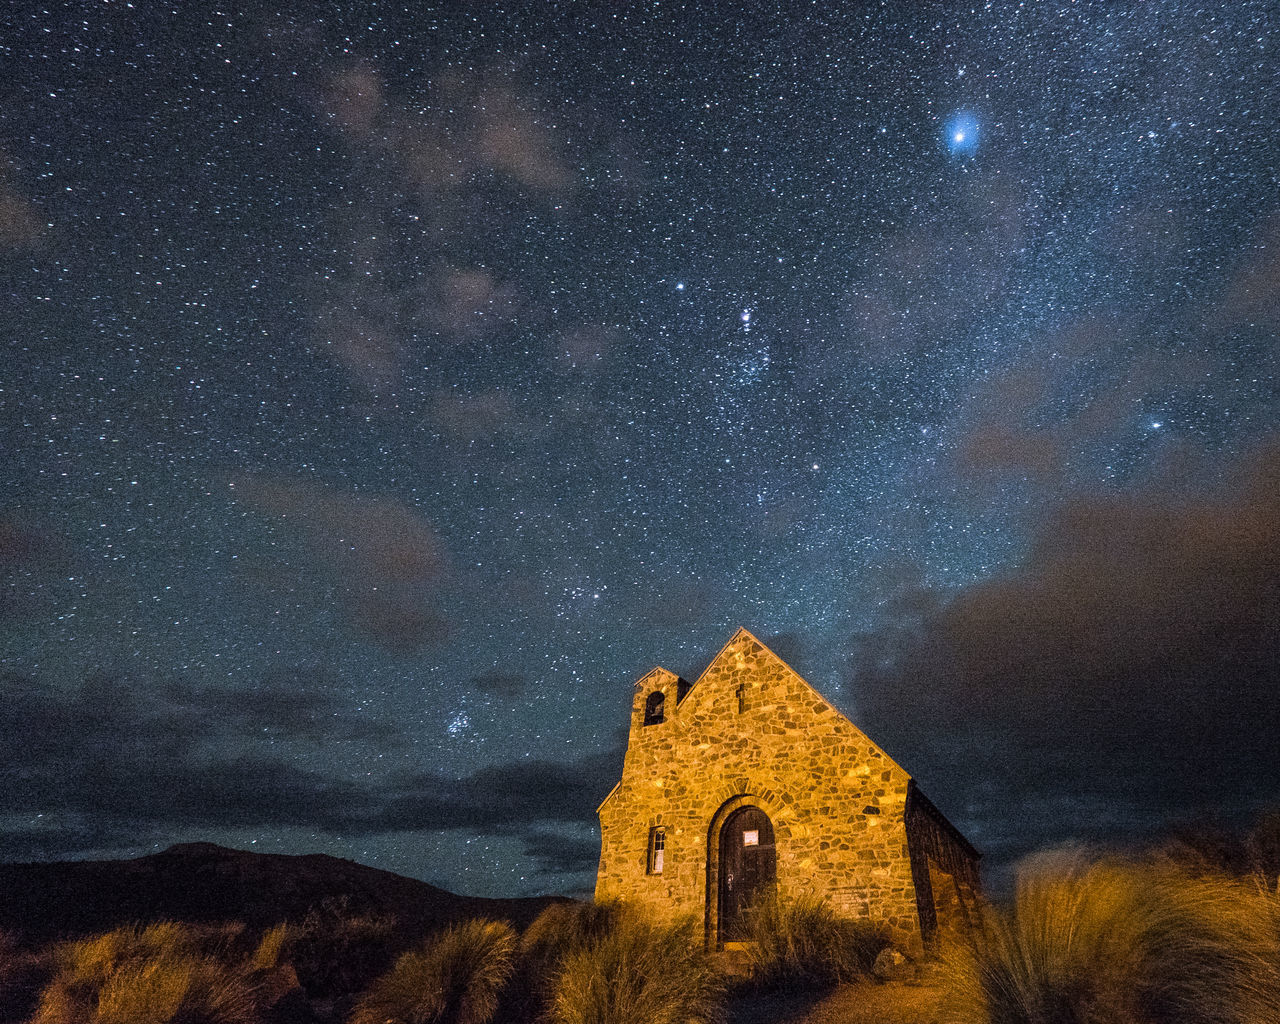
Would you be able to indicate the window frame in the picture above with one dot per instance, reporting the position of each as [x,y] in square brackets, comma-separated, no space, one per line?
[656,858]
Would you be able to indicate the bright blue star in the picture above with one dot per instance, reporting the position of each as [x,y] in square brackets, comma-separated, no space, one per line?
[961,133]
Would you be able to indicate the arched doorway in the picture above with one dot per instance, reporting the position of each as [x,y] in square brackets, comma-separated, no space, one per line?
[748,869]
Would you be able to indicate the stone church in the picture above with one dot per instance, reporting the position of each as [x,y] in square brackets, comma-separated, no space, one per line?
[746,783]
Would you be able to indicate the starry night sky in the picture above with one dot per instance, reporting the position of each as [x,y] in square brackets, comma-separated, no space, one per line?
[384,391]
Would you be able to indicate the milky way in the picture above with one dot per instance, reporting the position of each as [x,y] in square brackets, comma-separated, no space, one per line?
[385,392]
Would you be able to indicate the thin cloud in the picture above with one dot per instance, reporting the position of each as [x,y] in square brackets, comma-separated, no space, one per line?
[1084,390]
[503,795]
[384,558]
[1252,295]
[21,226]
[473,417]
[555,853]
[439,155]
[502,684]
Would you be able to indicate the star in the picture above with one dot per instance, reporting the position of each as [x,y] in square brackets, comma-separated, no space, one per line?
[962,134]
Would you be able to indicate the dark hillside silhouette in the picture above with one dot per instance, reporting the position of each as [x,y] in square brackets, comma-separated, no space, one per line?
[202,882]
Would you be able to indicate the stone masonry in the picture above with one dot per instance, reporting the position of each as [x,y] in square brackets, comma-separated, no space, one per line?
[849,823]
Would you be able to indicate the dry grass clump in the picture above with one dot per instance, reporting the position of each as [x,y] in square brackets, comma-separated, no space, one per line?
[152,975]
[567,927]
[638,972]
[267,954]
[803,943]
[186,989]
[1122,943]
[456,978]
[96,958]
[558,932]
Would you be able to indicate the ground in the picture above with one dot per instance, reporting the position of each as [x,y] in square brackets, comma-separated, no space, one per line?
[867,1002]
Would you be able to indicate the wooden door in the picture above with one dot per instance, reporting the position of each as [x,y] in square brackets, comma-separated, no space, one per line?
[748,868]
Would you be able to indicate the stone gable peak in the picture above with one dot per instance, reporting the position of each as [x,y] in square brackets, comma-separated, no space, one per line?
[656,676]
[743,664]
[745,651]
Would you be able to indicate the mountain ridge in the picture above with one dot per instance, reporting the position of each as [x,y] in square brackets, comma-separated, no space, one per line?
[207,883]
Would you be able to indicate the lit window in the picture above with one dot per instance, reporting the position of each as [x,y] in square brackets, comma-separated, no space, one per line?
[654,708]
[657,845]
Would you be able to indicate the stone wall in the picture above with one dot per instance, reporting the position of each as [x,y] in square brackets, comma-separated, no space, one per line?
[945,868]
[751,731]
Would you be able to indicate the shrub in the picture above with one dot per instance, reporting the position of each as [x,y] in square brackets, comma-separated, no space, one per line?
[1122,944]
[1263,846]
[804,943]
[150,975]
[455,978]
[336,952]
[638,973]
[23,974]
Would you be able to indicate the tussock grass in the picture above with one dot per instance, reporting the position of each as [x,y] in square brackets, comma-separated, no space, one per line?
[97,957]
[1122,943]
[180,989]
[266,956]
[568,927]
[456,978]
[638,972]
[151,975]
[803,943]
[558,932]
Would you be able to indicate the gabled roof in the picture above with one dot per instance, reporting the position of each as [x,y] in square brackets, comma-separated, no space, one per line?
[915,797]
[739,635]
[743,632]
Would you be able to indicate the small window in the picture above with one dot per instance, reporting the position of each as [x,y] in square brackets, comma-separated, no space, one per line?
[654,708]
[657,845]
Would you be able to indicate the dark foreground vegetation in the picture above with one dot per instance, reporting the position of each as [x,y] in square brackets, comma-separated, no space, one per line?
[577,963]
[1123,942]
[1186,933]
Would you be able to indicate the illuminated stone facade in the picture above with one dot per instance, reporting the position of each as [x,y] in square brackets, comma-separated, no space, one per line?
[848,823]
